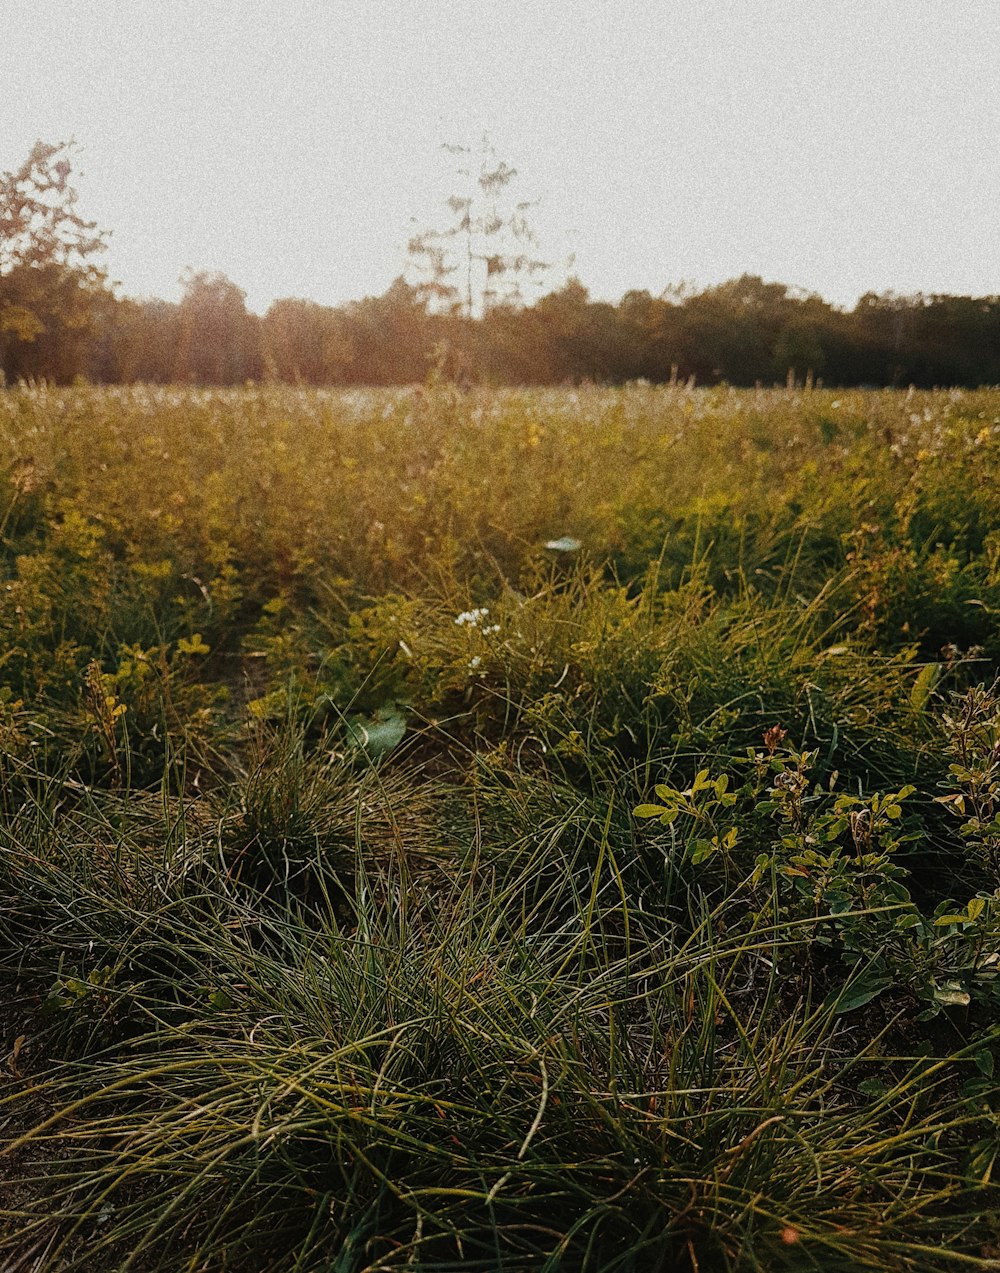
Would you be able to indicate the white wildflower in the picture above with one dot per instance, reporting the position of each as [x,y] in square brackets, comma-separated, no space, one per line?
[472,618]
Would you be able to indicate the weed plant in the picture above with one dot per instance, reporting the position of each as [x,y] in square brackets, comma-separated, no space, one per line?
[505,830]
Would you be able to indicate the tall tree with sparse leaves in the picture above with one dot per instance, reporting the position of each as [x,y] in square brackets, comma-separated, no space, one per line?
[49,283]
[486,254]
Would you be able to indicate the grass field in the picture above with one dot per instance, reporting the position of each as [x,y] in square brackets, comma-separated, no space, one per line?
[505,830]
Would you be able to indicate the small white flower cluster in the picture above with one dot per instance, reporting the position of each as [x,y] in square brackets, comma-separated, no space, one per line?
[473,618]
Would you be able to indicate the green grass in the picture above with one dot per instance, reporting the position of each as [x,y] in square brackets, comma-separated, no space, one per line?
[330,936]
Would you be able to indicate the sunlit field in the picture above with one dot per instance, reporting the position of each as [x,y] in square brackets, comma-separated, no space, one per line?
[499,830]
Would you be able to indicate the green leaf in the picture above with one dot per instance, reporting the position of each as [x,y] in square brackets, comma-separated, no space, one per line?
[648,810]
[984,1062]
[378,735]
[950,919]
[984,1155]
[192,645]
[975,907]
[761,864]
[951,995]
[270,707]
[862,992]
[924,685]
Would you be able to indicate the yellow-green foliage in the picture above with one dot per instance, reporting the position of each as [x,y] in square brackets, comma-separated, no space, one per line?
[307,489]
[504,830]
[267,522]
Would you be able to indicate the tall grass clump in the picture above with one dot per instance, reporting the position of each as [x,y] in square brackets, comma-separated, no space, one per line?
[470,1075]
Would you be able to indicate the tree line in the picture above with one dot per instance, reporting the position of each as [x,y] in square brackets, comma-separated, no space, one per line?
[60,319]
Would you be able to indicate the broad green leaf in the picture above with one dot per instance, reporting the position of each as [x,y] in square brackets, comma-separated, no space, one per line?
[862,992]
[976,907]
[951,995]
[379,734]
[924,685]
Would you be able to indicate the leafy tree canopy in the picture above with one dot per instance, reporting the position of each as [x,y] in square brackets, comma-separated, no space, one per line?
[44,241]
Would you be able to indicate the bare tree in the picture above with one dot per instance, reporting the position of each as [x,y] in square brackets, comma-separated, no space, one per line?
[486,254]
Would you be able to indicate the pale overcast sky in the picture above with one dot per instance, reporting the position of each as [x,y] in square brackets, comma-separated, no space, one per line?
[839,146]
